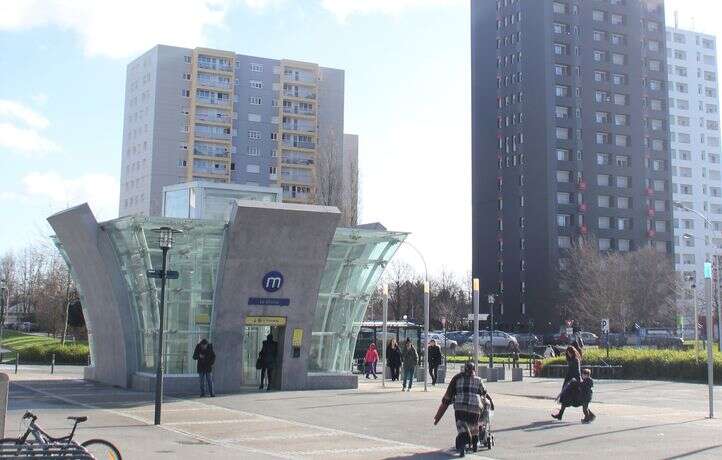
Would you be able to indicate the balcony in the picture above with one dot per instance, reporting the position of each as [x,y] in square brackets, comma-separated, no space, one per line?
[205,133]
[300,161]
[213,118]
[299,144]
[302,129]
[214,83]
[226,102]
[214,66]
[300,94]
[298,111]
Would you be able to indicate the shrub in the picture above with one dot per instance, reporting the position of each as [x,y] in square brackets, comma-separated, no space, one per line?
[650,364]
[68,354]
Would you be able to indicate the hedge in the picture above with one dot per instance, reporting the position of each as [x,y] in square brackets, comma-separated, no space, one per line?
[650,364]
[68,354]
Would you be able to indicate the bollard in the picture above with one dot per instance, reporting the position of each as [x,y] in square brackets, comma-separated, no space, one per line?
[52,364]
[17,359]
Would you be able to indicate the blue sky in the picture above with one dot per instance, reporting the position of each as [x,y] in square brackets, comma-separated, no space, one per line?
[407,97]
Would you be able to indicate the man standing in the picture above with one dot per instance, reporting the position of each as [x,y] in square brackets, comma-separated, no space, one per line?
[206,357]
[434,360]
[268,360]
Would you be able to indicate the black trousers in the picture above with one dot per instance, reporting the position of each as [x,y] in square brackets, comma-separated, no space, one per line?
[434,372]
[395,370]
[266,372]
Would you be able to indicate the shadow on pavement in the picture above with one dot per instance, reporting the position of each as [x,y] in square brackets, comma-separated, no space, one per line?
[536,426]
[694,452]
[431,455]
[604,433]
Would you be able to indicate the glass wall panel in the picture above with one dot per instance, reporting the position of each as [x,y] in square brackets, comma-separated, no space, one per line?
[355,263]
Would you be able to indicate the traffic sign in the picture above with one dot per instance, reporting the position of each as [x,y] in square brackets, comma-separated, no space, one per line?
[169,274]
[570,331]
[605,326]
[482,317]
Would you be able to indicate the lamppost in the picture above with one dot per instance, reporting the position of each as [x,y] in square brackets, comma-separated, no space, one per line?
[385,329]
[491,298]
[3,305]
[715,261]
[165,242]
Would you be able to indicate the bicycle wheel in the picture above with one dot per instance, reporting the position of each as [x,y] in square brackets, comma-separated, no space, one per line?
[101,449]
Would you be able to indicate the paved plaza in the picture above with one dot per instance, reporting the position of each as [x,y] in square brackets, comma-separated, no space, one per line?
[639,419]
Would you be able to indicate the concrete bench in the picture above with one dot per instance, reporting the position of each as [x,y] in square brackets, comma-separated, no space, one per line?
[598,372]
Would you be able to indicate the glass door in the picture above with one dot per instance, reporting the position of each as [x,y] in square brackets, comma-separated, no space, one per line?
[253,337]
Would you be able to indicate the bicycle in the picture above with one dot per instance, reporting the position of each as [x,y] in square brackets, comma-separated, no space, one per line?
[63,446]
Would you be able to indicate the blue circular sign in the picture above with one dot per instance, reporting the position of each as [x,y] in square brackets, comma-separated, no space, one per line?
[272,281]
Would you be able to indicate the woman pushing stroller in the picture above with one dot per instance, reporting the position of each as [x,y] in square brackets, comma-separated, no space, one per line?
[467,393]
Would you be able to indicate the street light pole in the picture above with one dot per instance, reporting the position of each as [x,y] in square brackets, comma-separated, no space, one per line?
[710,339]
[426,334]
[385,329]
[491,299]
[475,290]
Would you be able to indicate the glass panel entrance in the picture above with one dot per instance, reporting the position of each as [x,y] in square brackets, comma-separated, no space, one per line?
[253,337]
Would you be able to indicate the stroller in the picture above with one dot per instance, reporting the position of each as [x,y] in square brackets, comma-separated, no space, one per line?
[486,436]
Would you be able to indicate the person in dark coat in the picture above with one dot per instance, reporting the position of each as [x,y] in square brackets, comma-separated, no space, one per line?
[393,359]
[434,360]
[571,391]
[205,357]
[269,350]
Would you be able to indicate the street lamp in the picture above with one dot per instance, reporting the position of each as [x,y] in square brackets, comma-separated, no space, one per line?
[165,242]
[3,306]
[687,236]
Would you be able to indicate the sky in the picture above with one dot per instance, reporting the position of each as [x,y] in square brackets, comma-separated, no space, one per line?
[407,97]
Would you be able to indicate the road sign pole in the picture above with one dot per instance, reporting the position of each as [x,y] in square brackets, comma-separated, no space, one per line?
[383,348]
[490,299]
[710,339]
[475,285]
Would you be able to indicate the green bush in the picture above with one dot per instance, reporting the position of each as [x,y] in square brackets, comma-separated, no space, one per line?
[42,354]
[650,364]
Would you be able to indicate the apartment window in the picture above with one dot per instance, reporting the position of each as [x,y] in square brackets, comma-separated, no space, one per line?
[604,201]
[659,185]
[685,172]
[654,65]
[563,155]
[621,140]
[563,133]
[561,49]
[622,181]
[561,28]
[622,161]
[603,180]
[254,117]
[708,44]
[601,76]
[599,36]
[564,220]
[655,104]
[600,56]
[619,79]
[257,84]
[601,117]
[602,138]
[564,198]
[562,112]
[679,54]
[187,59]
[623,245]
[683,138]
[605,244]
[563,176]
[616,19]
[623,202]
[255,67]
[562,90]
[659,165]
[652,26]
[621,119]
[253,169]
[561,70]
[655,85]
[185,93]
[560,8]
[621,99]
[653,45]
[598,15]
[604,222]
[682,120]
[603,159]
[255,100]
[254,134]
[660,205]
[660,226]
[253,151]
[619,58]
[657,145]
[602,97]
[564,242]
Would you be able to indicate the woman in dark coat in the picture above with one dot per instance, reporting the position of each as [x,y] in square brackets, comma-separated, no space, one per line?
[268,360]
[434,360]
[393,359]
[571,390]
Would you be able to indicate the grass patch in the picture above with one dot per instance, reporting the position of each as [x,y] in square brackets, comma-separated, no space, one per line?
[651,364]
[38,349]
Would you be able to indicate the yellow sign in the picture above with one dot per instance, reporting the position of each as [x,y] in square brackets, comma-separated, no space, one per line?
[297,338]
[265,321]
[203,318]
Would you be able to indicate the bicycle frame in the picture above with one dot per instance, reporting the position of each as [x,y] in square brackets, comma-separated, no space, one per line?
[41,436]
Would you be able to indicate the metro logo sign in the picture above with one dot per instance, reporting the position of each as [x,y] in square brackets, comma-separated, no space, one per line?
[272,281]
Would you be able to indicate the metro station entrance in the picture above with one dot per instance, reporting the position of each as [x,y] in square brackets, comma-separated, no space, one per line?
[255,331]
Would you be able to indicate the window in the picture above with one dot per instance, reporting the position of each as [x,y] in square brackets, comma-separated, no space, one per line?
[604,222]
[622,181]
[564,220]
[619,58]
[560,8]
[621,119]
[562,112]
[254,134]
[655,85]
[561,70]
[623,202]
[598,15]
[654,65]
[563,133]
[605,244]
[599,36]
[602,138]
[679,54]
[560,28]
[564,198]
[619,79]
[564,242]
[185,93]
[618,39]
[652,26]
[655,104]
[563,176]
[603,159]
[660,226]
[601,76]
[561,49]
[603,180]
[256,84]
[659,165]
[659,185]
[604,201]
[622,161]
[602,96]
[621,99]
[617,19]
[253,150]
[601,117]
[623,245]
[562,90]
[563,155]
[600,56]
[621,140]
[681,87]
[187,59]
[255,67]
[253,169]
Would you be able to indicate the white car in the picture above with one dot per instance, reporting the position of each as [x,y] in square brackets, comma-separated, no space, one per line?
[449,344]
[501,341]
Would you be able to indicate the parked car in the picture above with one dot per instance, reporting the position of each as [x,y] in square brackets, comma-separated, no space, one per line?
[461,337]
[661,338]
[589,338]
[501,342]
[527,340]
[449,344]
[26,327]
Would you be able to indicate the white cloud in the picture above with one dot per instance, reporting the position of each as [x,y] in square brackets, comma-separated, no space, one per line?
[16,111]
[342,9]
[119,29]
[20,128]
[100,191]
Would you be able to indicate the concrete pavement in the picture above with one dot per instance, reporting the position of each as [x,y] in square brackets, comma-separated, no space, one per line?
[657,420]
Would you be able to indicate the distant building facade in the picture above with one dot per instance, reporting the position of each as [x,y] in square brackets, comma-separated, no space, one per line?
[217,116]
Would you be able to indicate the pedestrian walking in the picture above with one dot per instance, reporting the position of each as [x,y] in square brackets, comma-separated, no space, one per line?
[434,360]
[467,393]
[586,395]
[570,394]
[370,360]
[410,359]
[269,350]
[205,357]
[393,359]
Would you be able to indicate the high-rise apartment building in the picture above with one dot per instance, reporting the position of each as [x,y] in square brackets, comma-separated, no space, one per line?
[694,124]
[569,140]
[210,115]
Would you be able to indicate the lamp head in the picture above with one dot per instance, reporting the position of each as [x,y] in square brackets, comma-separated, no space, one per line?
[165,236]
